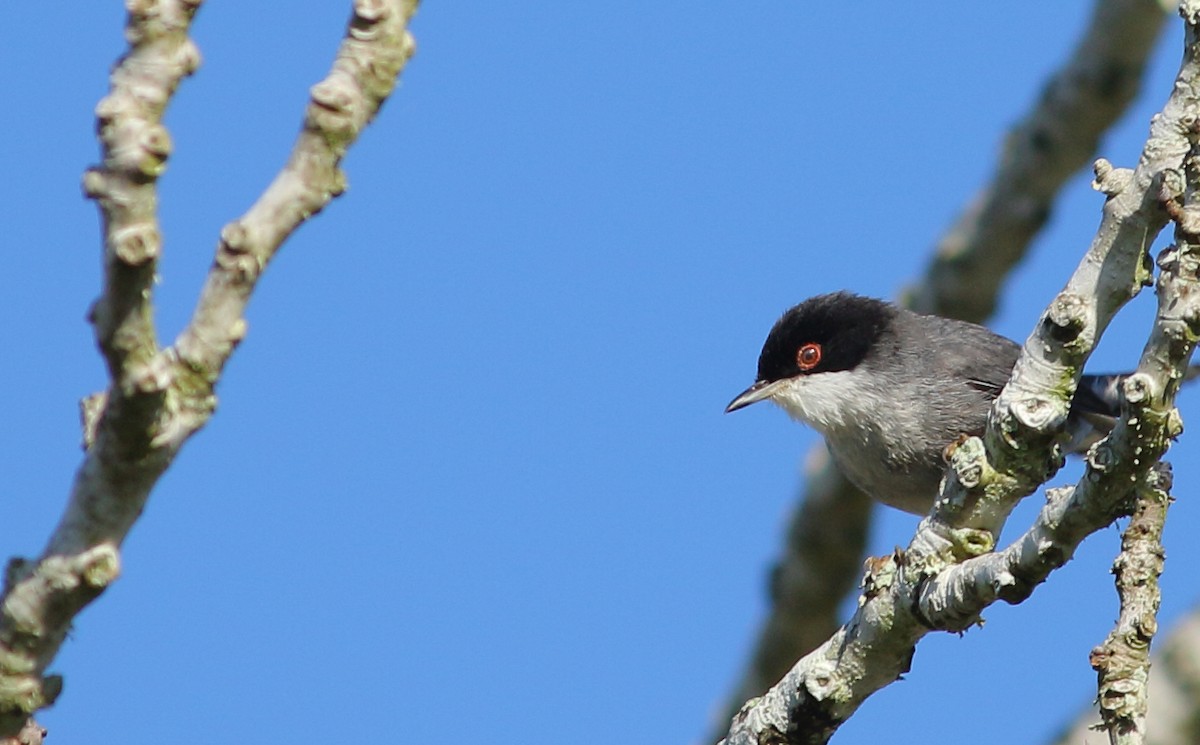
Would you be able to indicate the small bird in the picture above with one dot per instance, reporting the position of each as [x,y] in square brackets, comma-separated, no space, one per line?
[889,389]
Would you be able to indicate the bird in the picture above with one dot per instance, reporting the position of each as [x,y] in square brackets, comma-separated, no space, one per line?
[889,389]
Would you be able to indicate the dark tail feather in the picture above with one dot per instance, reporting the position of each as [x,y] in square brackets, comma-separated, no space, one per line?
[1097,405]
[1101,394]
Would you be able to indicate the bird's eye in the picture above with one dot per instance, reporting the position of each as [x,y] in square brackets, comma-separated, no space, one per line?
[808,356]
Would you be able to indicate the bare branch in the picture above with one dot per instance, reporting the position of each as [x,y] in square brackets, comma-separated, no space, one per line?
[1056,138]
[41,598]
[821,564]
[376,48]
[1125,459]
[1078,105]
[1122,662]
[1029,413]
[1173,692]
[926,587]
[135,147]
[158,398]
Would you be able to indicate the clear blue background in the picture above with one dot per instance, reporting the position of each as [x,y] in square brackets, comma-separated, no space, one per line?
[470,478]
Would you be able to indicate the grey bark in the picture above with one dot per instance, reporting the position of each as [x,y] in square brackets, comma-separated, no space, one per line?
[158,397]
[949,572]
[826,537]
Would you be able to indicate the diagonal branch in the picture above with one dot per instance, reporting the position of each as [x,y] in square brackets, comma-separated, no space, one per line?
[158,398]
[1117,468]
[821,563]
[363,75]
[1050,145]
[827,533]
[929,586]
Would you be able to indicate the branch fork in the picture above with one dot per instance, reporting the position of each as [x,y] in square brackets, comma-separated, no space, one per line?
[158,397]
[949,573]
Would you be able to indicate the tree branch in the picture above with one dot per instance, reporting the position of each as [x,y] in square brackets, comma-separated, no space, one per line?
[1056,139]
[1174,689]
[821,563]
[1095,86]
[135,146]
[926,587]
[375,50]
[1122,662]
[158,398]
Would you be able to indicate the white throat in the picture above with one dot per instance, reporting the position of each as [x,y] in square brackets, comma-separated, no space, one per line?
[828,401]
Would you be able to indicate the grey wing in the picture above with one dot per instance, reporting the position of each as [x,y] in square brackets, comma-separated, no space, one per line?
[982,358]
[978,361]
[986,361]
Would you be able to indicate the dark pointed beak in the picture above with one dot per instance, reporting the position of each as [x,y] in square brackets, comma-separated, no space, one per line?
[755,393]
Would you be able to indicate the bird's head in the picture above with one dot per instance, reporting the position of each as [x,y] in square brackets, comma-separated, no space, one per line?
[808,362]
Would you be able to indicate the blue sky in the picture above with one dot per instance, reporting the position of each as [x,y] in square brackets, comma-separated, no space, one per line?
[469,473]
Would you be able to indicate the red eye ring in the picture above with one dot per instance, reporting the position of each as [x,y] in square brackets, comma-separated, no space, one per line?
[808,356]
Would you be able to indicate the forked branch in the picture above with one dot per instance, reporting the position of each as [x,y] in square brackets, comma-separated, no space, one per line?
[158,397]
[949,573]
